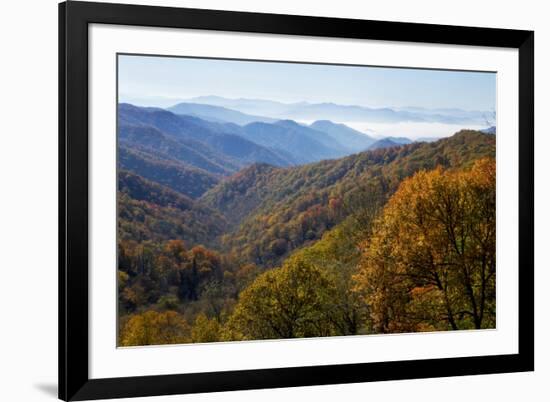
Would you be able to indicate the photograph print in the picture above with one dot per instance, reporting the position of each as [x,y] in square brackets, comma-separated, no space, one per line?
[273,200]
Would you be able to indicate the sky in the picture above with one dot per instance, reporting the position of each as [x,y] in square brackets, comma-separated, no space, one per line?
[183,78]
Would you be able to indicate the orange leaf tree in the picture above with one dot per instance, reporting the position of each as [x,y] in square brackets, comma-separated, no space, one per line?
[430,262]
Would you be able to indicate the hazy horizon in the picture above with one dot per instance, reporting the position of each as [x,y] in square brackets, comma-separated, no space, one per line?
[412,130]
[166,102]
[185,78]
[427,103]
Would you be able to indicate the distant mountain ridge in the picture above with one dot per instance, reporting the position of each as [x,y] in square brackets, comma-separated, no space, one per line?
[223,148]
[347,113]
[291,140]
[384,143]
[400,140]
[216,114]
[353,140]
[338,138]
[217,140]
[490,130]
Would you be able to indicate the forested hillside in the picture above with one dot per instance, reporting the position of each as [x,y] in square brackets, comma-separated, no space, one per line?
[214,140]
[176,175]
[280,210]
[222,243]
[148,211]
[221,147]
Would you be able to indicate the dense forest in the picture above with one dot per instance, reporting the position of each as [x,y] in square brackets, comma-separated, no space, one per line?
[227,233]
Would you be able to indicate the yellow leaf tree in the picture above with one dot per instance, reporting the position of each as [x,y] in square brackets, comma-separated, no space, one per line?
[430,262]
[154,328]
[293,301]
[205,329]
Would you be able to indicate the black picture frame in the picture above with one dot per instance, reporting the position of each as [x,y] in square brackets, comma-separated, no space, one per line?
[74,18]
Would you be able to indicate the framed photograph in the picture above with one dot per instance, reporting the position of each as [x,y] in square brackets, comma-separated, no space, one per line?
[258,200]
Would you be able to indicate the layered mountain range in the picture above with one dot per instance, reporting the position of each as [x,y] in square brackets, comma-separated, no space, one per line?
[225,213]
[184,176]
[348,113]
[190,154]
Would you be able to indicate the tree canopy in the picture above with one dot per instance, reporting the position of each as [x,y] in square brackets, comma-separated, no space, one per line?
[392,240]
[430,263]
[293,301]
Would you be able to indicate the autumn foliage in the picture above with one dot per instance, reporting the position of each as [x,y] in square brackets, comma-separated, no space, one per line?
[394,240]
[430,263]
[294,301]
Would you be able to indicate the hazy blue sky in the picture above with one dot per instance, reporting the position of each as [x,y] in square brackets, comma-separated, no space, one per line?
[182,78]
